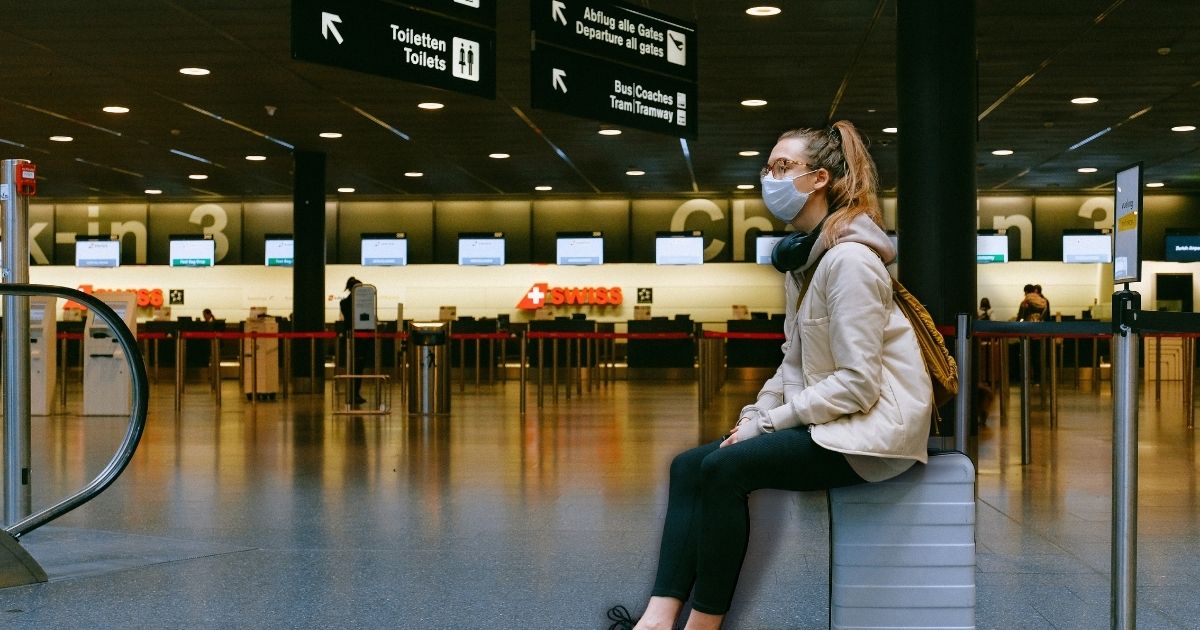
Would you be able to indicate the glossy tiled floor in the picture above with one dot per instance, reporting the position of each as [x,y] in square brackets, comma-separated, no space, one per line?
[282,515]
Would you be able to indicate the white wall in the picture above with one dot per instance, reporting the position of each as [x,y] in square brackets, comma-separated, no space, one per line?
[705,292]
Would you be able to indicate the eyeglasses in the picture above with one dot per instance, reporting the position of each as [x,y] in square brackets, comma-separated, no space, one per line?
[780,167]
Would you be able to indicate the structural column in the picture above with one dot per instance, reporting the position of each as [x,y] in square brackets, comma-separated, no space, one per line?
[936,196]
[308,266]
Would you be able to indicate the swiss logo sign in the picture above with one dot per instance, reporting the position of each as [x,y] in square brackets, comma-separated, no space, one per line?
[542,294]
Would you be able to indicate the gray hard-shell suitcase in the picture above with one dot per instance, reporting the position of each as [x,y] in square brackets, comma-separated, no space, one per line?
[902,551]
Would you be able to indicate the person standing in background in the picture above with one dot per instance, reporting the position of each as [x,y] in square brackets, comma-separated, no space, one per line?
[985,309]
[362,347]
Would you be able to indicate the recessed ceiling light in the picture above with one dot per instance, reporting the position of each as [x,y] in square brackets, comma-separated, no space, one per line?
[635,172]
[152,191]
[543,188]
[763,11]
[345,189]
[1087,169]
[430,105]
[1154,185]
[1184,128]
[195,72]
[332,135]
[499,156]
[609,132]
[1085,100]
[256,158]
[197,176]
[115,109]
[890,130]
[1002,152]
[414,174]
[61,138]
[754,102]
[748,153]
[745,186]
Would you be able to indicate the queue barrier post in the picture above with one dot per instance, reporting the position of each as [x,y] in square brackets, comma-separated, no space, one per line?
[1125,460]
[1025,369]
[521,368]
[962,402]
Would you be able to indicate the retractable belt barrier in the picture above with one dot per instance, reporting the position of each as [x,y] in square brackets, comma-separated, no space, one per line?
[602,345]
[491,339]
[215,337]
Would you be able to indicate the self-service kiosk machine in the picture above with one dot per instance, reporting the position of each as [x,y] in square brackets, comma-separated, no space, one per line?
[107,383]
[260,357]
[43,353]
[363,297]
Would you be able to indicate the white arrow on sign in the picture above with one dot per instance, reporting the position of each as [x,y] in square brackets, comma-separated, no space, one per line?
[556,12]
[557,80]
[327,25]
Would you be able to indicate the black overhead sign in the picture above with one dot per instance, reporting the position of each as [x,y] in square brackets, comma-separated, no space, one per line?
[576,84]
[397,42]
[480,11]
[618,32]
[614,62]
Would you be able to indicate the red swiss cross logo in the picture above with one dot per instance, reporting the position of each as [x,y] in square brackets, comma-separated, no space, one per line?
[535,297]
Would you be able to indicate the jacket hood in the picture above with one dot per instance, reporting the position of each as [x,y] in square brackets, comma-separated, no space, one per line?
[860,230]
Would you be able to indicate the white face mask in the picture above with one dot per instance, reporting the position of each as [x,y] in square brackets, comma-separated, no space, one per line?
[782,198]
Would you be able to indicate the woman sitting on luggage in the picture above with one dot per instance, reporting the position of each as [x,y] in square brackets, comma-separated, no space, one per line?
[850,403]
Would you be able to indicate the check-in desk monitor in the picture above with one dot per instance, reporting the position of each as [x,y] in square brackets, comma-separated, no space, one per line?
[107,383]
[279,250]
[579,248]
[679,248]
[482,249]
[188,250]
[991,248]
[43,353]
[1087,246]
[1181,245]
[764,244]
[384,250]
[97,251]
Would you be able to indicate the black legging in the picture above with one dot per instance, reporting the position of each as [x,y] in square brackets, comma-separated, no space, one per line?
[707,526]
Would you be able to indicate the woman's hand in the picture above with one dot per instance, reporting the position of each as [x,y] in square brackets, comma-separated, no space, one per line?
[732,438]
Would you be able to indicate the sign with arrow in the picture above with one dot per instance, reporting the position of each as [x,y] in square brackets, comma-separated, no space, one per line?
[618,32]
[614,62]
[398,42]
[571,83]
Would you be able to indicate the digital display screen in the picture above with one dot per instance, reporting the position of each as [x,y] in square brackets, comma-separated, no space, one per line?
[580,249]
[279,251]
[481,250]
[764,244]
[991,248]
[679,249]
[1182,246]
[384,250]
[193,252]
[1092,246]
[97,253]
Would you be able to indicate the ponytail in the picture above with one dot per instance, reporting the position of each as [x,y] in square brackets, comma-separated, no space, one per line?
[853,188]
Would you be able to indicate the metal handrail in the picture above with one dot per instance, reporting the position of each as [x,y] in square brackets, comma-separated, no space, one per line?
[137,416]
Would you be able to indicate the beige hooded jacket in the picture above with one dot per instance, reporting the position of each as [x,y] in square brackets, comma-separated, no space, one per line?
[852,371]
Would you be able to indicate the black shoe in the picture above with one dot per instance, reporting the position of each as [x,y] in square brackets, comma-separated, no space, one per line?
[358,400]
[619,615]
